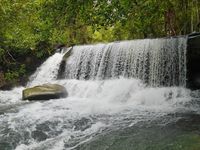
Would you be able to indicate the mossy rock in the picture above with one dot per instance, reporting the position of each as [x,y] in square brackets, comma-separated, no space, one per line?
[44,92]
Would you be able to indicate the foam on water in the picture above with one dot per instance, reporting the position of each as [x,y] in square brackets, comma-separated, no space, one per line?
[91,108]
[12,96]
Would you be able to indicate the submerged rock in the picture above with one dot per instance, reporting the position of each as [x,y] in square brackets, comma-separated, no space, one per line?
[44,92]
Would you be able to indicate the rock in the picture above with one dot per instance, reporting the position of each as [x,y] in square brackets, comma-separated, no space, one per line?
[59,47]
[44,92]
[67,52]
[61,71]
[193,61]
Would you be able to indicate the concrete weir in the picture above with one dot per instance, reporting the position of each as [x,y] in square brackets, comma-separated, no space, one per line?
[170,61]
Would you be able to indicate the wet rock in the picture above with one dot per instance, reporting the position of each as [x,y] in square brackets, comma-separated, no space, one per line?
[44,92]
[58,47]
[193,61]
[62,68]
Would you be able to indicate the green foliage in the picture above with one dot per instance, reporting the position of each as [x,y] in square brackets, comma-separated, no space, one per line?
[11,75]
[2,53]
[14,75]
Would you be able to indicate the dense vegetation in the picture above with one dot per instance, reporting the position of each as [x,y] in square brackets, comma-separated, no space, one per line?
[30,29]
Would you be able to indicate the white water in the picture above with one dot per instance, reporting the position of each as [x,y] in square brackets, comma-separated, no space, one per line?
[48,71]
[155,61]
[92,107]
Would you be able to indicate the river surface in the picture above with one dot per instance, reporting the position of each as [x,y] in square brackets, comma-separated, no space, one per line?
[117,114]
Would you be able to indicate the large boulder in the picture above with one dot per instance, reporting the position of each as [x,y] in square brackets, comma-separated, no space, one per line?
[44,92]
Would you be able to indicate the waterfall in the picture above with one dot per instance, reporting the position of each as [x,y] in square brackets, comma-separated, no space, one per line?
[157,62]
[108,103]
[48,71]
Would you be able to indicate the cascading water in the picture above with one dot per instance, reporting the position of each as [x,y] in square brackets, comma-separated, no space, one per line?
[115,108]
[48,71]
[155,61]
